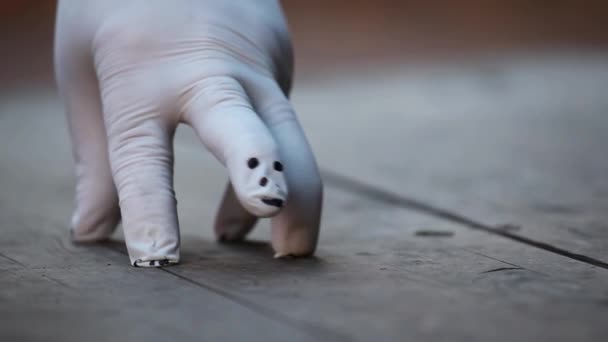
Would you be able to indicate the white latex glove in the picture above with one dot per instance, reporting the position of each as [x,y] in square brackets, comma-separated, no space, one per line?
[131,70]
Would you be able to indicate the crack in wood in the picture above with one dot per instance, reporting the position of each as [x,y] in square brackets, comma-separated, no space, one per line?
[12,260]
[55,280]
[504,262]
[375,193]
[502,269]
[433,233]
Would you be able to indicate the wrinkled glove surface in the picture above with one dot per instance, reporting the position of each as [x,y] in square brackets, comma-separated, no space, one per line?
[131,71]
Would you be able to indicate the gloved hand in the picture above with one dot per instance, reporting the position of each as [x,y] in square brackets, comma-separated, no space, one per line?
[131,70]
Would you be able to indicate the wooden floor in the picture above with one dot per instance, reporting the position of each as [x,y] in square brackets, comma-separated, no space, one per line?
[466,200]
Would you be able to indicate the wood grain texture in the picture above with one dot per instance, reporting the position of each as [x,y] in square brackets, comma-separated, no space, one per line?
[517,141]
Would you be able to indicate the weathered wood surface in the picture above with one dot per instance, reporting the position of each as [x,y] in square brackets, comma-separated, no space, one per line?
[488,144]
[53,291]
[517,141]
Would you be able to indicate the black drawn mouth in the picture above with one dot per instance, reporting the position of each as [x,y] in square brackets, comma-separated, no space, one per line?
[275,202]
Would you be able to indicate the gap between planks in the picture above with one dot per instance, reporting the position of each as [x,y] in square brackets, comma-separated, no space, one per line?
[380,195]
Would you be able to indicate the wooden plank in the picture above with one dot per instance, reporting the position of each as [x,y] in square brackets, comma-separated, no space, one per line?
[58,292]
[373,277]
[518,141]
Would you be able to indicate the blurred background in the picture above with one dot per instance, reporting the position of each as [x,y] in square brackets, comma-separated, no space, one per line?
[334,34]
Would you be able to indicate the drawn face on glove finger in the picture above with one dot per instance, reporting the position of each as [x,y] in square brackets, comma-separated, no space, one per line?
[260,184]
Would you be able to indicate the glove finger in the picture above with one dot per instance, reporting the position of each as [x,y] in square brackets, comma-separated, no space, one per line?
[295,229]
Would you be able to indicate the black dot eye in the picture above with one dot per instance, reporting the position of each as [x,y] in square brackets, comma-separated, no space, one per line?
[263,181]
[278,166]
[253,163]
